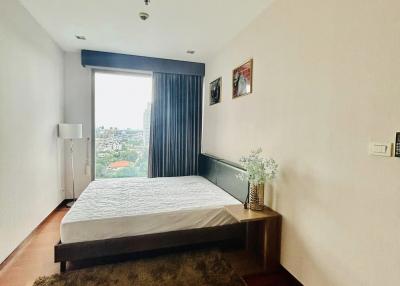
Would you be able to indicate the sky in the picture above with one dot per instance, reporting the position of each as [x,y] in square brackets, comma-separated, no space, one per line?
[120,99]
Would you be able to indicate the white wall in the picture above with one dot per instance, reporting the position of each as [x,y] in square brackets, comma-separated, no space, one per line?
[78,109]
[31,106]
[326,82]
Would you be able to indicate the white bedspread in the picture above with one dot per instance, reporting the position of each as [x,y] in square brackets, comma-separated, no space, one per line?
[113,208]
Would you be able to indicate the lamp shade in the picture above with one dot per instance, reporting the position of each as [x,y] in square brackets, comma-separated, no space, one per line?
[70,131]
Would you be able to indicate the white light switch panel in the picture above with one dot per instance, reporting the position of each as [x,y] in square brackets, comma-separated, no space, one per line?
[380,149]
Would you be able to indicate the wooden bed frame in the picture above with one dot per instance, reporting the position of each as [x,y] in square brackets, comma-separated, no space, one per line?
[219,172]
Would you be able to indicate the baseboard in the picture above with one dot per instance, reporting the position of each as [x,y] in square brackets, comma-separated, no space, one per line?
[295,281]
[273,278]
[27,239]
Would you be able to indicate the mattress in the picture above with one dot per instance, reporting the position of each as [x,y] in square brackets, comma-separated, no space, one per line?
[113,208]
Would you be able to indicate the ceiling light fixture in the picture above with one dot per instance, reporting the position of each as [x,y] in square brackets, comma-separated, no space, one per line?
[83,38]
[190,52]
[144,16]
[146,2]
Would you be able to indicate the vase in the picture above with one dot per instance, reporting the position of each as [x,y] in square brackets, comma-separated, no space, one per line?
[256,197]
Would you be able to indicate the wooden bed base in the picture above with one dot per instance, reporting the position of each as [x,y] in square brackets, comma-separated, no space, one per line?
[64,252]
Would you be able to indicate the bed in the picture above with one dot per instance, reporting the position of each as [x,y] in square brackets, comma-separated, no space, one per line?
[121,216]
[114,208]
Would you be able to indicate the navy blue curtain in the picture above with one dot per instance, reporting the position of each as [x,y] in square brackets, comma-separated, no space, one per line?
[175,130]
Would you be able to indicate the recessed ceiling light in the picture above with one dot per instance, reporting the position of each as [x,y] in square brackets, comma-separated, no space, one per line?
[144,16]
[79,37]
[190,52]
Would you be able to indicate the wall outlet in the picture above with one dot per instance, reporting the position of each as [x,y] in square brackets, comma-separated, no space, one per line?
[397,145]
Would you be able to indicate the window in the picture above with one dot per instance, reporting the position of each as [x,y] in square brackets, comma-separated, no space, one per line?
[122,124]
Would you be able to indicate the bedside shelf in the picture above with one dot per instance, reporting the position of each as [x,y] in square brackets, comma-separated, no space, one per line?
[246,215]
[263,234]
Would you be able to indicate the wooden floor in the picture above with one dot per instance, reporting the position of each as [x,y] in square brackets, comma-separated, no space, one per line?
[35,257]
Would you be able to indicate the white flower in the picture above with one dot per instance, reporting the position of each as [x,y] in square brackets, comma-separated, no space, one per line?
[258,169]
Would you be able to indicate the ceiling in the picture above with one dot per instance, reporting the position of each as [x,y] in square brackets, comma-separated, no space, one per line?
[174,26]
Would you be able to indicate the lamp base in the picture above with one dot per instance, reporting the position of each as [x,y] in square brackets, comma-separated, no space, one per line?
[70,204]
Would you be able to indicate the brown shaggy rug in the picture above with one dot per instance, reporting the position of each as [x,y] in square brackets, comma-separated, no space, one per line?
[205,267]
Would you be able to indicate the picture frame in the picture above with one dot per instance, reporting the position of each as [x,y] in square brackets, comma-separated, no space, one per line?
[242,79]
[215,91]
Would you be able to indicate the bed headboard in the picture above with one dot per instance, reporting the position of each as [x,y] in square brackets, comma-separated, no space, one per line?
[223,174]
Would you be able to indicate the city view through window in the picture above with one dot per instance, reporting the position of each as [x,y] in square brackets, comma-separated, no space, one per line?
[122,116]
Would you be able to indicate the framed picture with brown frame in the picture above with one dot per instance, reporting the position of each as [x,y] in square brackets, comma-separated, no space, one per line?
[215,91]
[242,79]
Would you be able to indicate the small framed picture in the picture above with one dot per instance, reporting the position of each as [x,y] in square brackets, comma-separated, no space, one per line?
[242,79]
[215,91]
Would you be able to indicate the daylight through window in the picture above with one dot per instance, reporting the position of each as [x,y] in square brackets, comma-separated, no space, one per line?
[122,124]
